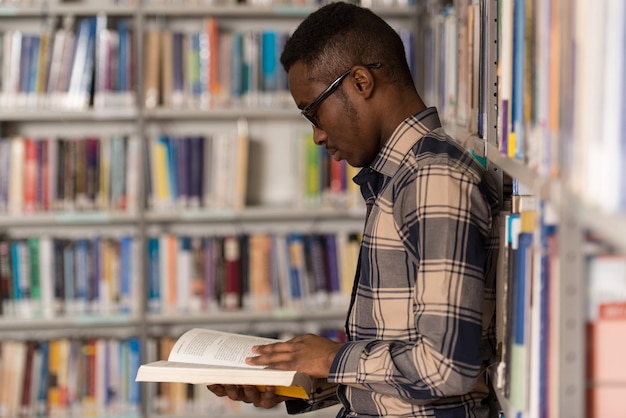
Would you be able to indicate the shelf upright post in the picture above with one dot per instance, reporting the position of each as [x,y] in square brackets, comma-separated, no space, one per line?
[570,325]
[572,290]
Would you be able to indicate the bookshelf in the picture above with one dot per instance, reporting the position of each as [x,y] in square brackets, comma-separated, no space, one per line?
[83,232]
[551,171]
[470,93]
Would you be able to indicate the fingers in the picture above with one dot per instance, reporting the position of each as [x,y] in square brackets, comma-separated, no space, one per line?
[275,356]
[248,394]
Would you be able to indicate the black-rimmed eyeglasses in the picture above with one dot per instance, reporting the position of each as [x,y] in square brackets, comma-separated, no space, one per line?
[308,112]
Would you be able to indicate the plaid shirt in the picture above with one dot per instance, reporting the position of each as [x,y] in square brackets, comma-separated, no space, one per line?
[421,321]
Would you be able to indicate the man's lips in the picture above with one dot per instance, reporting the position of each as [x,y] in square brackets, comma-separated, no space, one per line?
[333,153]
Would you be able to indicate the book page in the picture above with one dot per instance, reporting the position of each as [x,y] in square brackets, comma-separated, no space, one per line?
[216,347]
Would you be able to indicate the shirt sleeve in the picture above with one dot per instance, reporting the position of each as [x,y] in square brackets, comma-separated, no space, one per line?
[325,395]
[444,221]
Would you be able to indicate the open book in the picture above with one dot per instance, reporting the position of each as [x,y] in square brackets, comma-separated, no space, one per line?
[202,356]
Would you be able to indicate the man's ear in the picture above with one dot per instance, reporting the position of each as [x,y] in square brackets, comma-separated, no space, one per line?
[363,81]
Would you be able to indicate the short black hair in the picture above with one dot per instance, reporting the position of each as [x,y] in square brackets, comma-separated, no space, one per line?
[340,35]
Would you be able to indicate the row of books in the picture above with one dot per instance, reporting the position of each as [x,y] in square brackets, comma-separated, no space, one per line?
[45,277]
[193,171]
[561,112]
[547,112]
[606,332]
[324,182]
[23,3]
[69,377]
[528,329]
[255,272]
[528,300]
[213,67]
[51,69]
[308,3]
[92,63]
[453,74]
[101,173]
[69,174]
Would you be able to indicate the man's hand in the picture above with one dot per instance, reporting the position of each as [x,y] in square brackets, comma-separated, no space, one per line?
[310,354]
[249,394]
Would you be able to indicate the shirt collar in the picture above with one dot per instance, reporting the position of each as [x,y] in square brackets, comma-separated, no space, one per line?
[403,139]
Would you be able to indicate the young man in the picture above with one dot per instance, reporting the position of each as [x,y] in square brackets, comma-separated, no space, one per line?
[420,323]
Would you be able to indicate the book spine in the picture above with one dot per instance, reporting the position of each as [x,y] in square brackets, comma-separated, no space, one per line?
[231,295]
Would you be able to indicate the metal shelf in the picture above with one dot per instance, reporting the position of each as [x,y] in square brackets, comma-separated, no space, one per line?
[254,11]
[77,8]
[260,213]
[81,322]
[68,218]
[50,115]
[247,317]
[610,226]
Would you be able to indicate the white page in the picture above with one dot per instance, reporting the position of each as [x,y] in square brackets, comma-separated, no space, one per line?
[216,347]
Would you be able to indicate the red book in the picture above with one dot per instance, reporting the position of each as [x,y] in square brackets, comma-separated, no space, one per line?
[606,361]
[45,201]
[231,295]
[30,175]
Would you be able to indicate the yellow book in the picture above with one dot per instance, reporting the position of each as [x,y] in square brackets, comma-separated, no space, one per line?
[203,357]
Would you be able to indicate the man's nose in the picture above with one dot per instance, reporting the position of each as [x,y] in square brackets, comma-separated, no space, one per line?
[319,136]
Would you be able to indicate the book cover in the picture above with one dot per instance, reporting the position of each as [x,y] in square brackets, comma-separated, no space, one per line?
[151,70]
[202,356]
[153,275]
[231,294]
[6,278]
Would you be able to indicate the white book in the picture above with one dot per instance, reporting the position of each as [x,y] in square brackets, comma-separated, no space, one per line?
[164,266]
[202,356]
[46,277]
[133,164]
[183,276]
[613,107]
[13,79]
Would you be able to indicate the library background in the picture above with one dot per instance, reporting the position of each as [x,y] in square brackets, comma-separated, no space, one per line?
[155,176]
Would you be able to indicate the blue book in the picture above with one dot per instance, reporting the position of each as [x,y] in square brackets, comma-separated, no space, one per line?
[41,409]
[182,169]
[170,146]
[332,264]
[134,363]
[69,282]
[521,301]
[34,64]
[154,293]
[96,260]
[195,169]
[237,76]
[269,61]
[295,251]
[123,56]
[81,263]
[548,232]
[25,62]
[17,295]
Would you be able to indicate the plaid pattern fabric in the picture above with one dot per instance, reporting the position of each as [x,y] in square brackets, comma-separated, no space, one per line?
[421,323]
